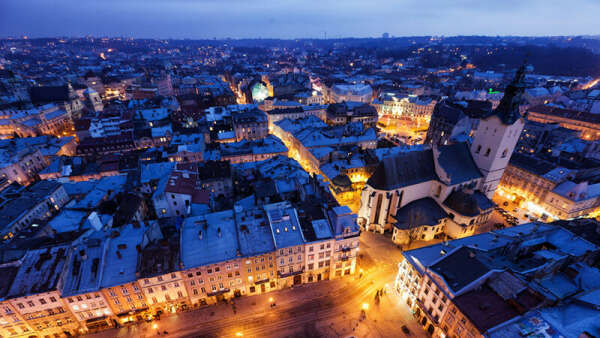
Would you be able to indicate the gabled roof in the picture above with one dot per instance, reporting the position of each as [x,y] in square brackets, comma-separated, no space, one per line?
[452,268]
[403,170]
[468,204]
[456,160]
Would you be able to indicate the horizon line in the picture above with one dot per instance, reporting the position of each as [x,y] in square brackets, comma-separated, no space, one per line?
[26,37]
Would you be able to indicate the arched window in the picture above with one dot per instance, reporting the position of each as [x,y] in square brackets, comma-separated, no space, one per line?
[505,152]
[478,149]
[487,152]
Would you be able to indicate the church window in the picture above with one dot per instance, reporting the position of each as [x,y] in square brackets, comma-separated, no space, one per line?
[378,207]
[478,149]
[487,152]
[505,152]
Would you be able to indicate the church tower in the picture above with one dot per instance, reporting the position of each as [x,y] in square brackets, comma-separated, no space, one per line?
[497,135]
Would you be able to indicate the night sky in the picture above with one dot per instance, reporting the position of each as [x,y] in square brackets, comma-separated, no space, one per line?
[296,18]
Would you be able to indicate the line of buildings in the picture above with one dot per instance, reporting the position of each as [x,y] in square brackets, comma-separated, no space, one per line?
[110,277]
[528,280]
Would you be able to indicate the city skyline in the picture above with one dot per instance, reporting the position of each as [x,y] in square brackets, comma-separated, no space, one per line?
[223,168]
[186,19]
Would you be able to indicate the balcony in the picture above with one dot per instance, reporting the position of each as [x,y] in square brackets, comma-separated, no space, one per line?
[216,293]
[288,274]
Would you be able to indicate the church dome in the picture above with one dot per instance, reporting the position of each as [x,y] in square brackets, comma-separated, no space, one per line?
[342,181]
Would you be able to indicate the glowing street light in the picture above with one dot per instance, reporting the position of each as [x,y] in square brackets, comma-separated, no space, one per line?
[270,299]
[155,326]
[365,306]
[239,334]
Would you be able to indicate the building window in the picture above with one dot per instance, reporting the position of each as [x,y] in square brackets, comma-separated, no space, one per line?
[487,152]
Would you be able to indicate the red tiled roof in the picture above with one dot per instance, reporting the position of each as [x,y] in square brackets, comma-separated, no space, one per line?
[201,197]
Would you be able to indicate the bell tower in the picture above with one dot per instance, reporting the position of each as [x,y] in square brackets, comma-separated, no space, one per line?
[497,134]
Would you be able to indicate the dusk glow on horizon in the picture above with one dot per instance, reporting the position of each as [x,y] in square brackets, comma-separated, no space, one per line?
[295,18]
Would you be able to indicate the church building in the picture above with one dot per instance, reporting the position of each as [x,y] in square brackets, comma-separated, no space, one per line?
[446,190]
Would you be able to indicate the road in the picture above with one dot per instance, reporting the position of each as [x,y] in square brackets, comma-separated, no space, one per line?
[324,309]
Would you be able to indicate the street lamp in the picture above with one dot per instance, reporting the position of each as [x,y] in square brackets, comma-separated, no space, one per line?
[270,299]
[365,306]
[239,334]
[155,326]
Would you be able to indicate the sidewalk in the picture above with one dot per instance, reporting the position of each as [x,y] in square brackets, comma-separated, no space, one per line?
[244,305]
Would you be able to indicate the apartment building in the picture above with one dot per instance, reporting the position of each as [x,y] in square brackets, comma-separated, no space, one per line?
[209,258]
[468,286]
[20,209]
[289,243]
[12,323]
[250,125]
[81,285]
[318,252]
[35,292]
[586,123]
[257,250]
[159,275]
[215,176]
[119,285]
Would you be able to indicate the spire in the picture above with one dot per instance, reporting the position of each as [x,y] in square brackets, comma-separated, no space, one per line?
[508,109]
